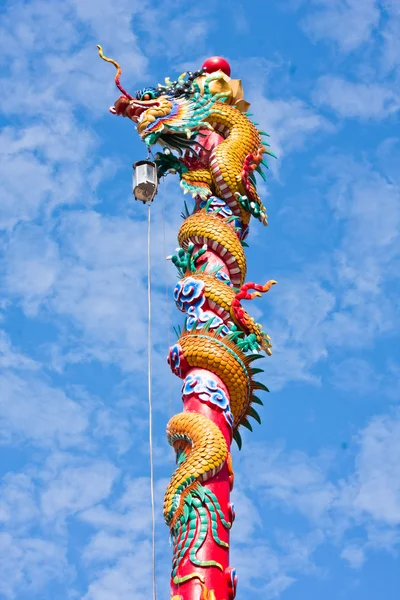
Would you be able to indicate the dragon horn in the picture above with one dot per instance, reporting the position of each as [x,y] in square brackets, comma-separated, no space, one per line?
[243,293]
[119,71]
[266,287]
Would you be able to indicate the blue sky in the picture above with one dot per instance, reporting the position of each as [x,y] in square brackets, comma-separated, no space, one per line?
[317,490]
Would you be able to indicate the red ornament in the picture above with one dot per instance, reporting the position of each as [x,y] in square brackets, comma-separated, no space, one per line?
[216,63]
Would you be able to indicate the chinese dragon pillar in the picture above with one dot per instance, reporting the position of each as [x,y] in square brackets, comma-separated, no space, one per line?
[201,122]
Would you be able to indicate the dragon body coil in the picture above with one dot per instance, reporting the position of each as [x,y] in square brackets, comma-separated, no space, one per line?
[210,141]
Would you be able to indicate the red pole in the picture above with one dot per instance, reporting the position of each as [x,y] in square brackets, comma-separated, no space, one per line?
[201,569]
[217,579]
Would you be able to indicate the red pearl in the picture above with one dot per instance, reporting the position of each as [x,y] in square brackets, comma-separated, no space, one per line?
[216,63]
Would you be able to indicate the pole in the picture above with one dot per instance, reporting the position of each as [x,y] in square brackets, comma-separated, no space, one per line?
[200,541]
[202,121]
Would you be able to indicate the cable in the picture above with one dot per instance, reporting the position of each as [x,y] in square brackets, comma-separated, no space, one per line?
[153,524]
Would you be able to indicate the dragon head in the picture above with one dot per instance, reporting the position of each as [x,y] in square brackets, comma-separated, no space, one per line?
[149,110]
[170,114]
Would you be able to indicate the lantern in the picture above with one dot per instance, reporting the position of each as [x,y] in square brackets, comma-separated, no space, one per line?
[145,180]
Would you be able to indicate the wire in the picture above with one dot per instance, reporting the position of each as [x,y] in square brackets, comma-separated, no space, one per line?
[153,524]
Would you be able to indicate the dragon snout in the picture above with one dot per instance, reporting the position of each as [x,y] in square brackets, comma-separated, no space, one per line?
[120,106]
[133,109]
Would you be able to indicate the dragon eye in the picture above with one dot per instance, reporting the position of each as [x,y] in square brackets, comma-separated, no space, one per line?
[147,94]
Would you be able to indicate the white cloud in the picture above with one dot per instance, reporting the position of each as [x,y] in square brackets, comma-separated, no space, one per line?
[344,298]
[77,488]
[290,122]
[18,507]
[348,23]
[367,501]
[104,547]
[95,278]
[354,555]
[264,570]
[44,166]
[248,519]
[355,99]
[391,48]
[31,266]
[47,155]
[390,51]
[29,564]
[355,375]
[120,549]
[292,479]
[374,491]
[129,578]
[35,411]
[36,509]
[131,512]
[11,358]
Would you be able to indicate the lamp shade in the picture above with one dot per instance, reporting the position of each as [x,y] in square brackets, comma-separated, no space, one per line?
[145,181]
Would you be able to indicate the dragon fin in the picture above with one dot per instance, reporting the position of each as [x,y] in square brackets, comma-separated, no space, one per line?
[253,413]
[238,438]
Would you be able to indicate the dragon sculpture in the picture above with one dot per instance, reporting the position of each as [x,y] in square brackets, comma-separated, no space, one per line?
[202,124]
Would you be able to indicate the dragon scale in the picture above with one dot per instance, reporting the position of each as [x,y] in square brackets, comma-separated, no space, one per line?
[208,139]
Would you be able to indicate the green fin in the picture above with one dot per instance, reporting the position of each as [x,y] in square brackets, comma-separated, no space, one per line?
[257,385]
[261,173]
[186,512]
[265,164]
[215,269]
[252,178]
[208,324]
[255,371]
[200,491]
[238,438]
[257,400]
[246,424]
[252,357]
[234,336]
[219,330]
[253,413]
